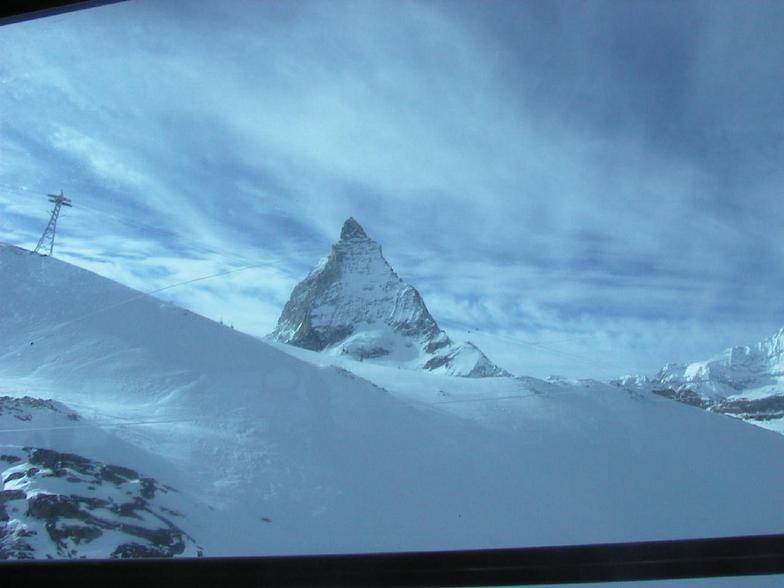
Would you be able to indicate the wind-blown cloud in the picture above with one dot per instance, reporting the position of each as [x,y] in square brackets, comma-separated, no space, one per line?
[559,172]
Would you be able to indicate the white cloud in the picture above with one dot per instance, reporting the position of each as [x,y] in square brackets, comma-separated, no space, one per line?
[187,157]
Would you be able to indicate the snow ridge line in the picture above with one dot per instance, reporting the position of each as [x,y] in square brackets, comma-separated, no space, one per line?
[142,295]
[91,425]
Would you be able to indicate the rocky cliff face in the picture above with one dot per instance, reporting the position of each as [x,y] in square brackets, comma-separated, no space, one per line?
[745,381]
[353,303]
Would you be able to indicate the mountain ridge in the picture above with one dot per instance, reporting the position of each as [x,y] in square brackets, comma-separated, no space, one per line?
[354,303]
[745,381]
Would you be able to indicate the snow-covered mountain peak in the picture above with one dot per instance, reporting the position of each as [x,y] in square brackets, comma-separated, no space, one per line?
[773,346]
[353,303]
[745,381]
[352,230]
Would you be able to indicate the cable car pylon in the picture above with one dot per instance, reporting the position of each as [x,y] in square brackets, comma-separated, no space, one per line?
[59,200]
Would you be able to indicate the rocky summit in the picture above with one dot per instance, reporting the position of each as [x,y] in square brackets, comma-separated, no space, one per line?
[353,303]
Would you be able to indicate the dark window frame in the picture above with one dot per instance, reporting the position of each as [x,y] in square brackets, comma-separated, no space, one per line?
[614,562]
[652,560]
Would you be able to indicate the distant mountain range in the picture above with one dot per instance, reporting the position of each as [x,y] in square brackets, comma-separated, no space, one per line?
[353,303]
[745,382]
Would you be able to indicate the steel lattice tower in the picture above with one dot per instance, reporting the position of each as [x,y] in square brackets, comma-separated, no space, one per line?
[59,201]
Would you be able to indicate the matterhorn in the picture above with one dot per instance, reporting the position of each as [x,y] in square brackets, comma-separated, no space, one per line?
[354,304]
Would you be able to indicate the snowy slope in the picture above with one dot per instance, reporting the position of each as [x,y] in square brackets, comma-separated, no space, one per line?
[746,382]
[353,303]
[61,504]
[295,456]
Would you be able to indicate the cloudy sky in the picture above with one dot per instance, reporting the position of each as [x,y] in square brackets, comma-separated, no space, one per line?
[589,188]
